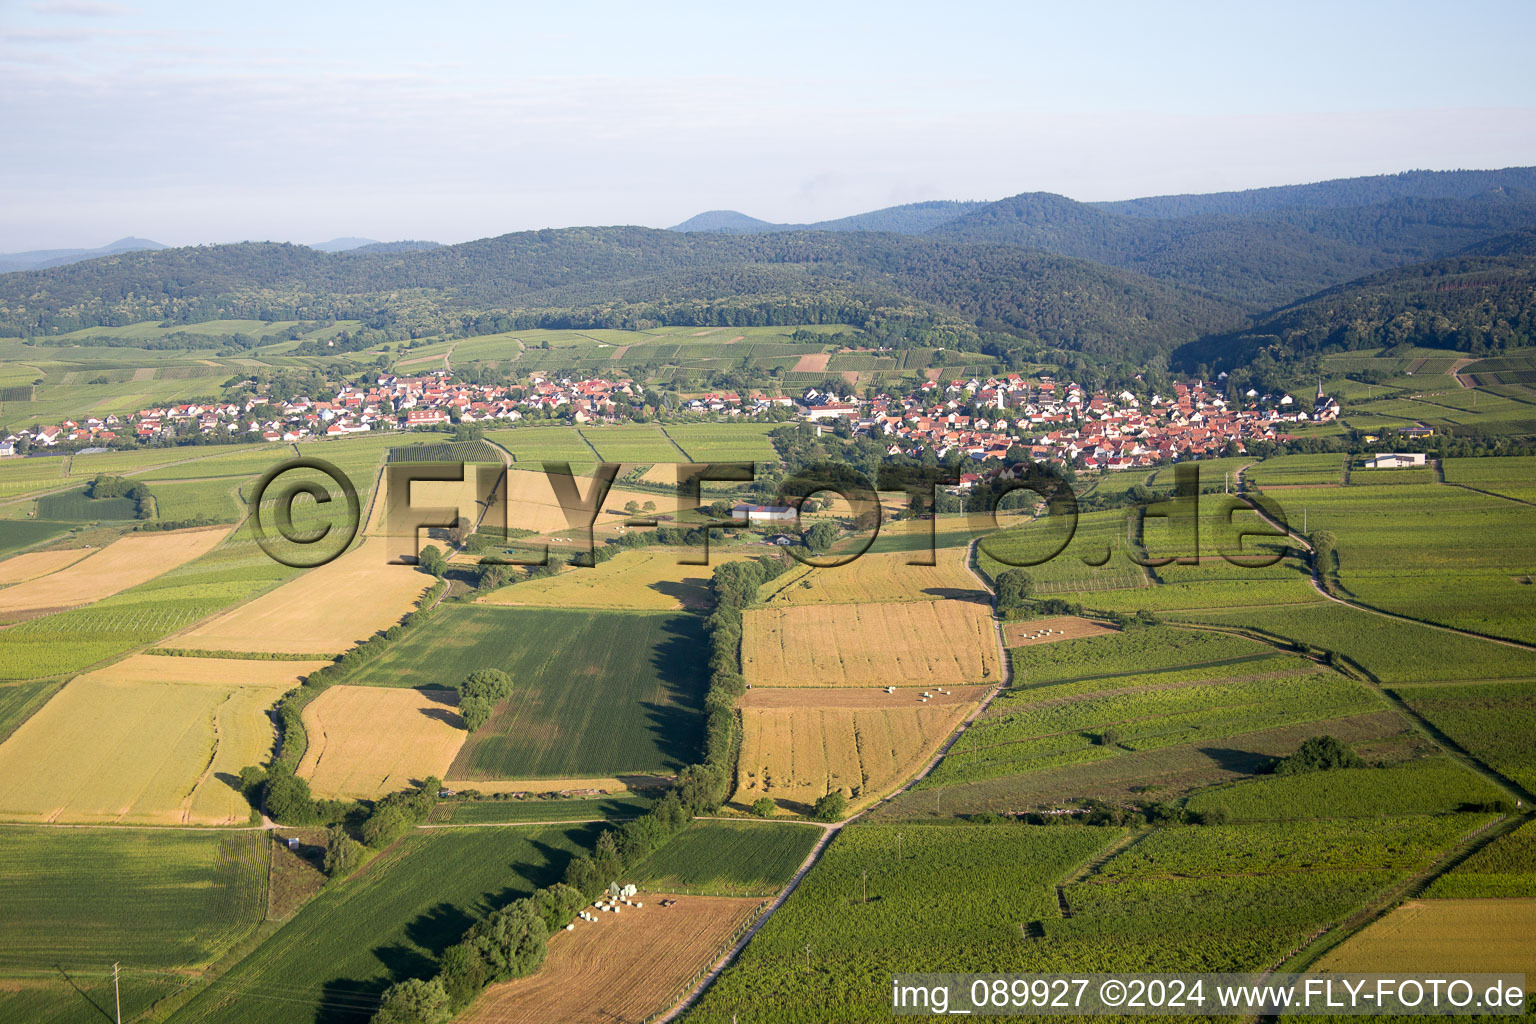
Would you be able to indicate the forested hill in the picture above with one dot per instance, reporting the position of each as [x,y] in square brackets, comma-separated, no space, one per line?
[622,275]
[909,219]
[1379,188]
[1260,261]
[1480,301]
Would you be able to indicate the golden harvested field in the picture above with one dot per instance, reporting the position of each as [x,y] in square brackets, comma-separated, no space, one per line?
[873,578]
[20,568]
[124,563]
[623,967]
[324,611]
[861,698]
[1061,627]
[150,740]
[1435,936]
[648,579]
[914,643]
[530,503]
[369,741]
[798,755]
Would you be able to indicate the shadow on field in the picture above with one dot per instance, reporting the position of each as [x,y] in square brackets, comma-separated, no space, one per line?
[960,594]
[1243,762]
[680,661]
[85,995]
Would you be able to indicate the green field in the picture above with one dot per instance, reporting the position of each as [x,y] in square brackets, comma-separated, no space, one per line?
[76,506]
[334,958]
[1505,868]
[632,443]
[1495,723]
[68,641]
[483,812]
[1023,737]
[721,858]
[595,693]
[20,534]
[534,444]
[1389,649]
[1431,786]
[724,442]
[1293,470]
[159,901]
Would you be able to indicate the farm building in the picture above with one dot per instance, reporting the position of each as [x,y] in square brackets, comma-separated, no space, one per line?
[1394,460]
[763,513]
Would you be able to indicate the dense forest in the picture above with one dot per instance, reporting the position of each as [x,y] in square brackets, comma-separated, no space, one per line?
[1482,301]
[1435,258]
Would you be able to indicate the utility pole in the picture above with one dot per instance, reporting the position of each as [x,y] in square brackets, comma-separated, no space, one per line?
[898,847]
[117,997]
[807,956]
[864,880]
[1303,519]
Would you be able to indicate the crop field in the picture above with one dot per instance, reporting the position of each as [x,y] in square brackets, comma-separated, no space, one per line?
[530,502]
[68,641]
[333,959]
[120,565]
[1296,470]
[1161,773]
[1051,630]
[1520,469]
[23,476]
[19,534]
[873,579]
[916,643]
[242,461]
[725,858]
[536,444]
[75,506]
[1390,477]
[1504,868]
[324,611]
[1093,560]
[368,741]
[1390,649]
[78,899]
[1495,722]
[219,500]
[484,812]
[725,442]
[1407,843]
[633,443]
[1432,785]
[594,693]
[29,566]
[1096,726]
[990,881]
[1444,935]
[657,950]
[149,740]
[797,755]
[1132,652]
[161,902]
[1441,554]
[648,579]
[20,700]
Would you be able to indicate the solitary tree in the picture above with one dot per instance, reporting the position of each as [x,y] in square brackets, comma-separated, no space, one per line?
[1014,587]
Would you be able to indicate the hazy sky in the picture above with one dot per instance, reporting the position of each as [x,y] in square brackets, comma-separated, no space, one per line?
[194,122]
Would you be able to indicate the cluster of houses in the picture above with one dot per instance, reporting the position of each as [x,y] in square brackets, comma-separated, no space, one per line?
[984,418]
[981,418]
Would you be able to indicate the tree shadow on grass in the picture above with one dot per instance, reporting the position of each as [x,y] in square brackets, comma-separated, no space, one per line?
[1242,762]
[680,659]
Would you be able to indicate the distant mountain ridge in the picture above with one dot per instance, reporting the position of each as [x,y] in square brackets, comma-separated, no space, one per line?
[41,258]
[908,219]
[343,244]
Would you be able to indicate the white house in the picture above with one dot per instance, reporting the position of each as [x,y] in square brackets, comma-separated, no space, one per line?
[763,513]
[1394,460]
